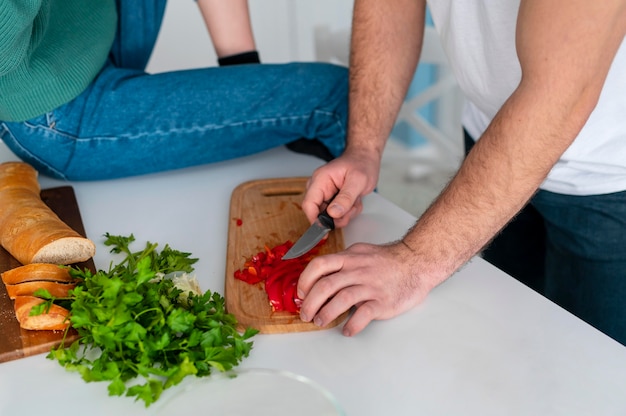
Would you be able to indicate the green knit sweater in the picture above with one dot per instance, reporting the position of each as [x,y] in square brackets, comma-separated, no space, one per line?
[50,50]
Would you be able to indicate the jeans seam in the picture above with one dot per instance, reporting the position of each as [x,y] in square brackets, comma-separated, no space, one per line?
[207,127]
[50,128]
[32,155]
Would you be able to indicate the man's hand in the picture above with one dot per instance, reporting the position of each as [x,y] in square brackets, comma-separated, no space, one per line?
[380,281]
[379,79]
[351,176]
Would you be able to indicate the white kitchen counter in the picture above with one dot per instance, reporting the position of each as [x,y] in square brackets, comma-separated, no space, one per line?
[481,344]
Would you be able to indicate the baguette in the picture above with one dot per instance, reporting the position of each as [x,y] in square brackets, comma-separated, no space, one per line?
[56,289]
[29,230]
[56,319]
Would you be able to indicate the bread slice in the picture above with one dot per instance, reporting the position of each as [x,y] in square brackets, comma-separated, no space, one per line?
[25,280]
[37,272]
[56,289]
[29,230]
[56,319]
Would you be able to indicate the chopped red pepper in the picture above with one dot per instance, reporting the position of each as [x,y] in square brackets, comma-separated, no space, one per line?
[280,276]
[239,222]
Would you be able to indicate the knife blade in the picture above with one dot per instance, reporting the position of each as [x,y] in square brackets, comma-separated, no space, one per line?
[313,235]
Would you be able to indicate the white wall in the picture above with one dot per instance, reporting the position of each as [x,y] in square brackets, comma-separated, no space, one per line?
[283,30]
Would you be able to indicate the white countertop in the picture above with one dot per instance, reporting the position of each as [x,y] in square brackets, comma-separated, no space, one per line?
[481,344]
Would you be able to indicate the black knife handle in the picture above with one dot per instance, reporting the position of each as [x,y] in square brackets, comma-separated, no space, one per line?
[326,220]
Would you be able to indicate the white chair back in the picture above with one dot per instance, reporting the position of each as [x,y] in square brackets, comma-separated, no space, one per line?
[444,132]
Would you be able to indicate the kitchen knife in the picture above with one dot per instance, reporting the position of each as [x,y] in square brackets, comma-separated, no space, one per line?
[322,226]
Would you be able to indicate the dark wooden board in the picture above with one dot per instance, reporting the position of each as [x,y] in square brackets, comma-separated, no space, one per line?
[266,212]
[16,342]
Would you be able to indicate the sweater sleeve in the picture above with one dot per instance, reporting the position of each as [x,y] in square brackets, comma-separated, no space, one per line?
[17,19]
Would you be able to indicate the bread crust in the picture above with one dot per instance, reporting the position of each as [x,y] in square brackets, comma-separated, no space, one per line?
[56,289]
[56,319]
[18,175]
[29,230]
[25,280]
[37,272]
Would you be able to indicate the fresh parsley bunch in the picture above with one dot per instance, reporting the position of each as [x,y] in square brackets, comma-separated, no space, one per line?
[143,334]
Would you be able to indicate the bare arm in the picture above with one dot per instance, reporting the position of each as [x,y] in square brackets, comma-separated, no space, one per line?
[565,48]
[228,22]
[385,46]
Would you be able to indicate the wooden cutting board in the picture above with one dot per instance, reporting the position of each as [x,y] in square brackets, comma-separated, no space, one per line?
[16,342]
[266,212]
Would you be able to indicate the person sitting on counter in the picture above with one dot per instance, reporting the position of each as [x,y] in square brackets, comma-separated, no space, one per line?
[77,104]
[542,191]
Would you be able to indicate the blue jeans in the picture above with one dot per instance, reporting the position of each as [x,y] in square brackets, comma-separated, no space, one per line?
[571,249]
[585,259]
[128,122]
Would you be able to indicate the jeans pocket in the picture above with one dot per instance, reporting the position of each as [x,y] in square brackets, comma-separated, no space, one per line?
[46,121]
[53,122]
[38,142]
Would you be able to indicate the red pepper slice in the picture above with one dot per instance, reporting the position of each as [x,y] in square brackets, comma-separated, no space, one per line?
[280,277]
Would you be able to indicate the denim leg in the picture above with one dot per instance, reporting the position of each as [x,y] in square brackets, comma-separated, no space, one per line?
[586,257]
[139,22]
[131,123]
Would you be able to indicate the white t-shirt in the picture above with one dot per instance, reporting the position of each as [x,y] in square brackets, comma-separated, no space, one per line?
[479,39]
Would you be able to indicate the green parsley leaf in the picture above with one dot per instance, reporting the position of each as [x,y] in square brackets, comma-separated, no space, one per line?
[140,332]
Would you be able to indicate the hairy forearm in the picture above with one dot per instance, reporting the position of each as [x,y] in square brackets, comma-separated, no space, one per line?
[385,46]
[564,62]
[503,171]
[228,23]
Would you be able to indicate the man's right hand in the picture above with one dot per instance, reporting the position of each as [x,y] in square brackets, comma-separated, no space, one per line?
[351,176]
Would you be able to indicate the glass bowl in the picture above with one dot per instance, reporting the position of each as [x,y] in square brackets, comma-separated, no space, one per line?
[246,392]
